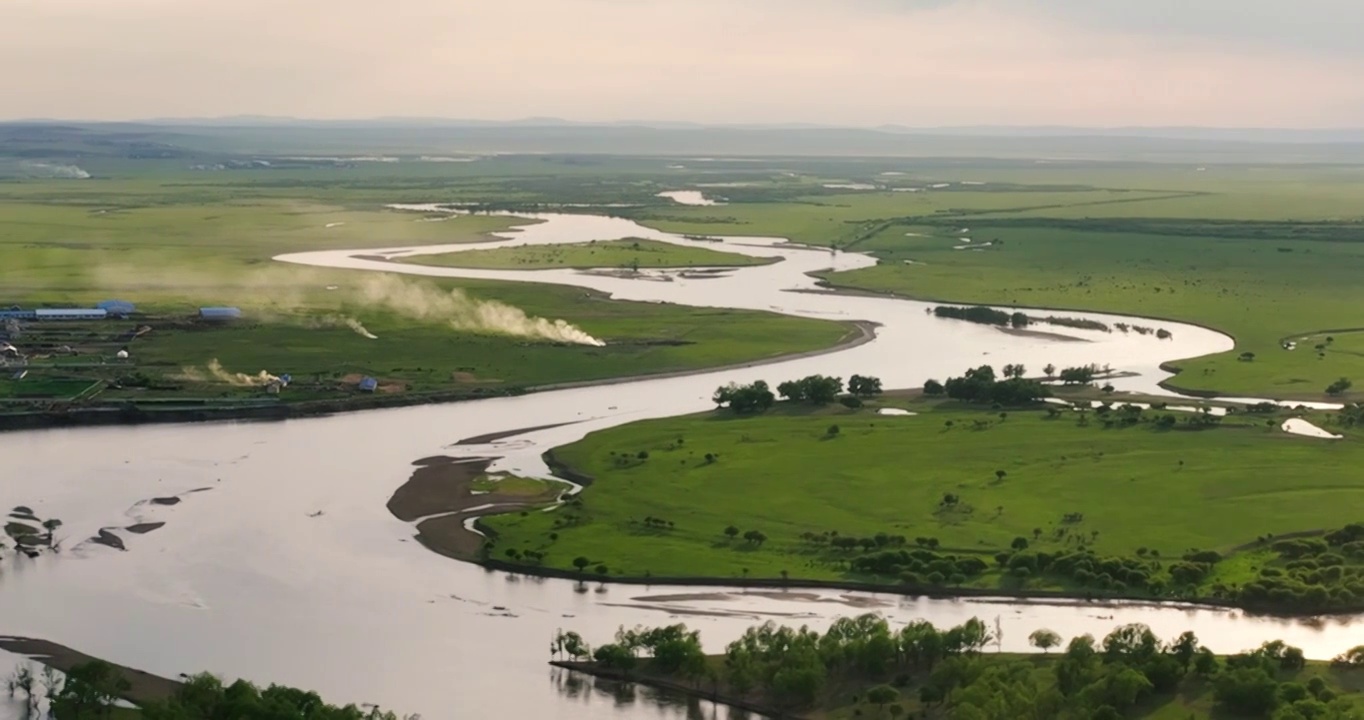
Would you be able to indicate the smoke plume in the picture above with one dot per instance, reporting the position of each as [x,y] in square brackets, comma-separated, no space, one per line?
[49,170]
[295,291]
[359,329]
[215,368]
[426,302]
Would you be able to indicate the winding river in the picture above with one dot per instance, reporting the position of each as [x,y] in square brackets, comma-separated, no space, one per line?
[248,579]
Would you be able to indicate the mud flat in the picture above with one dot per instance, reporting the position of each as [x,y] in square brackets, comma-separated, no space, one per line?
[144,687]
[439,497]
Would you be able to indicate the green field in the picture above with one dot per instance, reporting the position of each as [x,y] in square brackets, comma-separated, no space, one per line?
[630,253]
[1261,290]
[1071,482]
[170,246]
[1263,253]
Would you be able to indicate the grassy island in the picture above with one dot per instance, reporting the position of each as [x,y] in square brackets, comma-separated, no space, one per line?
[632,254]
[958,497]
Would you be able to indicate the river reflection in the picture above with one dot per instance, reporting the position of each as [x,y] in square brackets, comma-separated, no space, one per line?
[649,701]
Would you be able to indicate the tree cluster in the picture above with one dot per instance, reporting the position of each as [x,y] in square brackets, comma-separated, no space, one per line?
[982,315]
[945,671]
[91,690]
[755,397]
[1307,574]
[981,386]
[815,389]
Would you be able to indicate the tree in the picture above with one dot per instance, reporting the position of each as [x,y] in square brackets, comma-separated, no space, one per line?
[602,569]
[1000,475]
[1078,375]
[614,657]
[732,532]
[1246,690]
[933,388]
[791,390]
[1044,640]
[745,399]
[1015,371]
[882,695]
[1184,648]
[1019,543]
[1049,370]
[832,431]
[574,645]
[581,563]
[1339,387]
[864,386]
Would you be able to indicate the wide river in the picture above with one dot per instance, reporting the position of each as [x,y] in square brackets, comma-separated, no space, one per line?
[247,580]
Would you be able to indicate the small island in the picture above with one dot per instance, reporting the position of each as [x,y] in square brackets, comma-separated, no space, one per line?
[631,253]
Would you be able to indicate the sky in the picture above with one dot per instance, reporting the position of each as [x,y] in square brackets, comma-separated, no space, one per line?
[924,63]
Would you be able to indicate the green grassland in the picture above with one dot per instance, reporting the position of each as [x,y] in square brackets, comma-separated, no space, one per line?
[170,245]
[1137,489]
[629,253]
[1261,291]
[1263,253]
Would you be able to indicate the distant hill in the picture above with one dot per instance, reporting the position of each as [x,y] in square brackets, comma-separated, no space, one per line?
[265,136]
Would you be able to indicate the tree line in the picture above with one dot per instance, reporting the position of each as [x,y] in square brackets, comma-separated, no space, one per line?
[981,385]
[91,690]
[946,673]
[757,396]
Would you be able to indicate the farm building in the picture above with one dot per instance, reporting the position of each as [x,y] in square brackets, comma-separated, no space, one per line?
[70,314]
[117,308]
[219,313]
[368,384]
[17,313]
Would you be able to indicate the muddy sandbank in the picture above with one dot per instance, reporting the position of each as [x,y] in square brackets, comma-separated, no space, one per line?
[144,687]
[440,490]
[495,436]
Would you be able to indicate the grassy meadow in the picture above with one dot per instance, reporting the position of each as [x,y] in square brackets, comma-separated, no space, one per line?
[1063,481]
[1264,254]
[170,244]
[629,253]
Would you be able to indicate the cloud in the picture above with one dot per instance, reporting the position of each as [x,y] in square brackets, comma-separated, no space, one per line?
[861,62]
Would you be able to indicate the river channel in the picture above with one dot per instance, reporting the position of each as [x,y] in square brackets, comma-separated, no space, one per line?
[281,563]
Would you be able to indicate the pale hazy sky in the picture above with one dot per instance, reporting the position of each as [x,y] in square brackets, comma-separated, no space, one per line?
[1235,63]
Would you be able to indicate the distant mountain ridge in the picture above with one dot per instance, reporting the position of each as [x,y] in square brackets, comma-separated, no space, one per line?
[1213,134]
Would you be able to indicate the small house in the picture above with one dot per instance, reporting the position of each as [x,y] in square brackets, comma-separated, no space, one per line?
[117,308]
[220,313]
[368,384]
[69,314]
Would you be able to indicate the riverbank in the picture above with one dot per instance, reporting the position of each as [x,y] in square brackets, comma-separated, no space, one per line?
[663,683]
[124,413]
[143,687]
